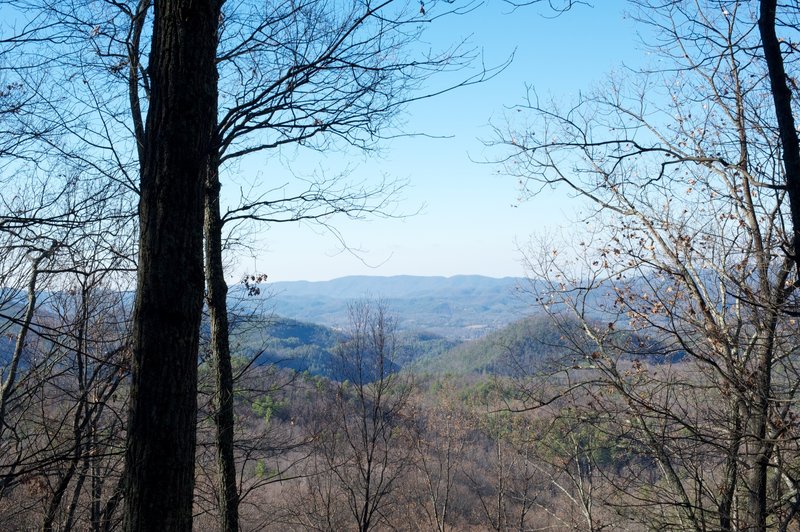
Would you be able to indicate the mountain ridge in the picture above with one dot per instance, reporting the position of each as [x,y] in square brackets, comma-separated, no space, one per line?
[457,307]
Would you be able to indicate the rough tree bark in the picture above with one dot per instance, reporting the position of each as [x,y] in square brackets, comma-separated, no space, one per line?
[782,99]
[160,450]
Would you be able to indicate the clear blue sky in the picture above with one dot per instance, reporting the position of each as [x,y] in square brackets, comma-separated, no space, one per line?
[470,222]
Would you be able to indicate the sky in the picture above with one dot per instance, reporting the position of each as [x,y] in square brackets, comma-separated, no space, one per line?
[468,219]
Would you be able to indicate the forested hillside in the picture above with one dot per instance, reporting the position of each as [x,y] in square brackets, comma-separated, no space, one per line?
[308,347]
[531,344]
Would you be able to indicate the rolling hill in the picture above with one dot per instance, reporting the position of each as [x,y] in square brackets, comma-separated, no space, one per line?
[536,343]
[527,343]
[309,347]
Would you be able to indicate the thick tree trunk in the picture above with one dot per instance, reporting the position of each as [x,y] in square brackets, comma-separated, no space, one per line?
[160,452]
[782,99]
[216,300]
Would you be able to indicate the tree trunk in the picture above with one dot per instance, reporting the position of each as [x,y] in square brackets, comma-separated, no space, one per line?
[782,99]
[757,504]
[790,146]
[7,386]
[730,477]
[161,438]
[216,300]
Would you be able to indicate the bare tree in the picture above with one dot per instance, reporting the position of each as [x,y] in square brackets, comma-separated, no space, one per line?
[443,433]
[688,257]
[289,72]
[366,451]
[339,73]
[61,417]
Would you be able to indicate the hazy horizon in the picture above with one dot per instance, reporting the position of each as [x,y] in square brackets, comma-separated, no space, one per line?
[470,218]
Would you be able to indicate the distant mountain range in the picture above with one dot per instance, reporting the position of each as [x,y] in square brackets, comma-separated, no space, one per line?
[447,325]
[459,307]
